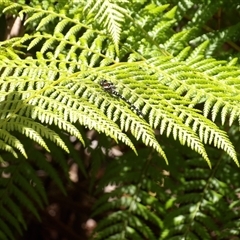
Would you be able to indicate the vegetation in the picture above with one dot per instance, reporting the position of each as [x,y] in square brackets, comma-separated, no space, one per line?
[119,119]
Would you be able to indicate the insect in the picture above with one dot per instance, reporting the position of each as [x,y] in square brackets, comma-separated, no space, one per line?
[108,87]
[111,89]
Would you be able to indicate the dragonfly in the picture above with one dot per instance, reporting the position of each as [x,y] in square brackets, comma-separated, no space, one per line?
[111,89]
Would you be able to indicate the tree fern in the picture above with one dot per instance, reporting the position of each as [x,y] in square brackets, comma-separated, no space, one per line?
[50,88]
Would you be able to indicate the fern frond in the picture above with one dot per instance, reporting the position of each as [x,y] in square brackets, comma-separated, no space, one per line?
[24,189]
[161,112]
[9,142]
[140,207]
[196,215]
[112,15]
